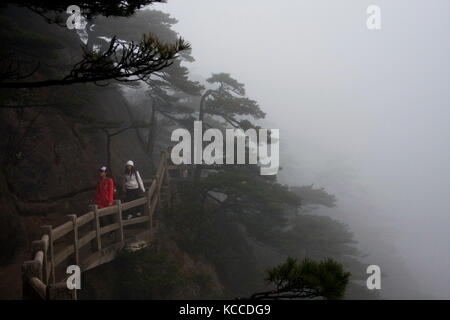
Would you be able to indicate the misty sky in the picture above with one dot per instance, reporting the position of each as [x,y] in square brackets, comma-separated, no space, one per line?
[362,113]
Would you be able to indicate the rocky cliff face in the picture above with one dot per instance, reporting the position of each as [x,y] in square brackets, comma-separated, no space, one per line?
[161,271]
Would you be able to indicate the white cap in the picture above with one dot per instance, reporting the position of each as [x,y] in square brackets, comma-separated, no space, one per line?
[130,163]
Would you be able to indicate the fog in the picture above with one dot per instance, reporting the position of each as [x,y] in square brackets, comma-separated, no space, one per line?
[363,113]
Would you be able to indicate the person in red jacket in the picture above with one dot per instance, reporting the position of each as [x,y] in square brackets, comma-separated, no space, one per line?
[104,189]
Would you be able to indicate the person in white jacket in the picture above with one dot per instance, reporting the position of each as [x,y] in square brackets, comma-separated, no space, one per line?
[132,184]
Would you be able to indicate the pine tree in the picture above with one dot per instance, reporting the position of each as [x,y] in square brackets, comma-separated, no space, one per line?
[306,279]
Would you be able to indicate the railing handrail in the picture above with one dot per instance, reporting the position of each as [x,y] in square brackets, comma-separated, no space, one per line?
[38,274]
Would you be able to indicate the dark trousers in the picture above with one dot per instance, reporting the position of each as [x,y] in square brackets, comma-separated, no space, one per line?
[132,194]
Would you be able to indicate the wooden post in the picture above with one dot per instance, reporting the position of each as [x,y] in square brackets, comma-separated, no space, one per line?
[45,239]
[30,269]
[39,289]
[97,228]
[169,191]
[73,217]
[157,188]
[119,219]
[149,207]
[41,245]
[48,230]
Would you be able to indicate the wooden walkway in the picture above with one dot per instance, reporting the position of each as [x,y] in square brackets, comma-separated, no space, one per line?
[93,239]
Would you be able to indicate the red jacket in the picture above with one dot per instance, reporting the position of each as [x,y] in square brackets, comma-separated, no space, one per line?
[104,192]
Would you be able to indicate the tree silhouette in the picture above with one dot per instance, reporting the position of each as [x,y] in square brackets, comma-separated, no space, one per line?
[228,101]
[311,196]
[307,279]
[258,202]
[167,91]
[170,90]
[121,61]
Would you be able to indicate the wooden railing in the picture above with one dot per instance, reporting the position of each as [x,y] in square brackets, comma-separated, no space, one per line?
[69,242]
